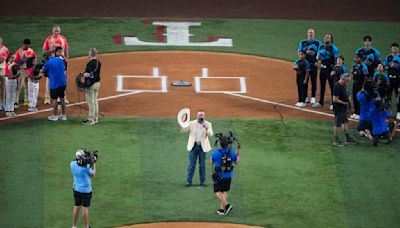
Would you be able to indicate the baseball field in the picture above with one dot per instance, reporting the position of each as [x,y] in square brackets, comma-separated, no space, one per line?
[289,174]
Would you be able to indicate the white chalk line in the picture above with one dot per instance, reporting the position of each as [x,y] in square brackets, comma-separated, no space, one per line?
[285,105]
[72,104]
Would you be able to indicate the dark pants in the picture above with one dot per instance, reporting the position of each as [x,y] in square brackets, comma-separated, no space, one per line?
[325,74]
[301,88]
[356,88]
[197,152]
[394,85]
[313,76]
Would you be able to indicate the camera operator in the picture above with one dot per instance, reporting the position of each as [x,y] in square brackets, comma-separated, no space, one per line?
[366,99]
[223,159]
[341,102]
[82,187]
[380,113]
[382,81]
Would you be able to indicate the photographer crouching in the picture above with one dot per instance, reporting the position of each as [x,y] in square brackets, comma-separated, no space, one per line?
[82,169]
[223,160]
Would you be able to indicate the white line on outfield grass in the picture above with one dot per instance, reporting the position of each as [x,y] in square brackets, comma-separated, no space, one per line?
[285,105]
[73,104]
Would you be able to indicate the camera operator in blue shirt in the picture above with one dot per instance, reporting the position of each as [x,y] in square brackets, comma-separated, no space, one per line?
[366,101]
[223,159]
[82,187]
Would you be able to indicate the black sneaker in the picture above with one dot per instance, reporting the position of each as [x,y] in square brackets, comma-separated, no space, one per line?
[228,209]
[375,141]
[350,141]
[336,142]
[221,211]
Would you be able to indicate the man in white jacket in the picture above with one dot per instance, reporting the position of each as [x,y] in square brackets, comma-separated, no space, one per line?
[198,145]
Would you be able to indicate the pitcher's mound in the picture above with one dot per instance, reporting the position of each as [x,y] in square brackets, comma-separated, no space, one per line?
[188,224]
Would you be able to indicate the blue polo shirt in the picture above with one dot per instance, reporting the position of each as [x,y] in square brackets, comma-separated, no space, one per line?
[366,105]
[55,69]
[82,182]
[217,159]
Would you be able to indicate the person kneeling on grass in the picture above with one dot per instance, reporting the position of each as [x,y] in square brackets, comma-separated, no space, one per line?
[223,160]
[55,71]
[341,103]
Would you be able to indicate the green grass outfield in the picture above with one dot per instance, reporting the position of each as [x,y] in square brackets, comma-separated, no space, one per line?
[273,38]
[288,177]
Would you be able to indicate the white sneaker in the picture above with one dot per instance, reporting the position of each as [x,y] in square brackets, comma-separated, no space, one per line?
[398,116]
[312,100]
[352,116]
[46,101]
[31,109]
[53,118]
[8,114]
[317,105]
[297,104]
[301,105]
[62,117]
[307,100]
[331,108]
[357,117]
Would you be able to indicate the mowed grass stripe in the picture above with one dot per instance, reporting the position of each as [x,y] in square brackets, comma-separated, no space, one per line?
[288,176]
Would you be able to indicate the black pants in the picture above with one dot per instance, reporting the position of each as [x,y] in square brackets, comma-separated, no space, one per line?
[325,74]
[301,88]
[313,76]
[356,88]
[394,85]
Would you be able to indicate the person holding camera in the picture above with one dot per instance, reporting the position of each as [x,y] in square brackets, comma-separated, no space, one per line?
[223,160]
[55,71]
[198,145]
[92,83]
[366,100]
[341,102]
[82,172]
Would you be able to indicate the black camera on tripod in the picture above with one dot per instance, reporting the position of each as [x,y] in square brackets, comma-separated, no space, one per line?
[87,157]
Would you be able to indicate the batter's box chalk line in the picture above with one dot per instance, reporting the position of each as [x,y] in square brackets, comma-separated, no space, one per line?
[204,76]
[156,76]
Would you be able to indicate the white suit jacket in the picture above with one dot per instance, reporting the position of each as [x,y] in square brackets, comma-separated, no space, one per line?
[205,143]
